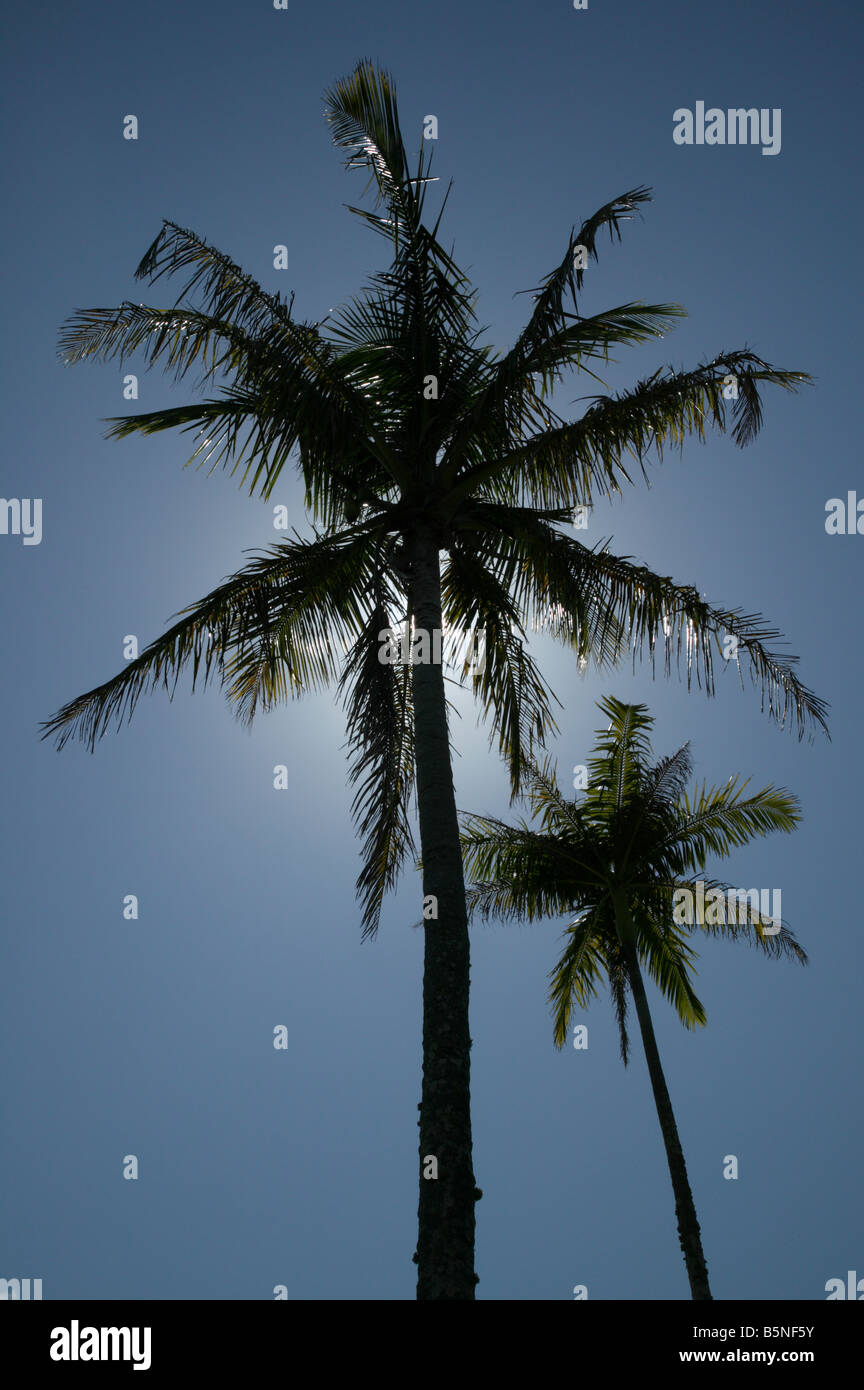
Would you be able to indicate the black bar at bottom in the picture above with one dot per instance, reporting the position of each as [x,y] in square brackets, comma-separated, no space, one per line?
[220,1338]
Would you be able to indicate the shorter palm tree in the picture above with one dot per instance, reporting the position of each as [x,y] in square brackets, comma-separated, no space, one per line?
[625,857]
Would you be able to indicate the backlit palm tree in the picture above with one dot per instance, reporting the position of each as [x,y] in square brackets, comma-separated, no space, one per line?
[618,857]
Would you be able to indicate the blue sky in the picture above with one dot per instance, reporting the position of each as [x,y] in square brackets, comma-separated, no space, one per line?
[154,1037]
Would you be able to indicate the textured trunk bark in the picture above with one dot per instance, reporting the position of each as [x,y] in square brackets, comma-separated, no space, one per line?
[688,1225]
[445,1245]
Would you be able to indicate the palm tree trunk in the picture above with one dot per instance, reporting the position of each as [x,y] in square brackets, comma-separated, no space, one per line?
[685,1210]
[445,1245]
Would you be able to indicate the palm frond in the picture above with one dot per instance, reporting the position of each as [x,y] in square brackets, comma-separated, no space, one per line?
[228,293]
[667,780]
[381,737]
[718,819]
[615,768]
[181,337]
[669,960]
[737,921]
[363,117]
[619,986]
[257,632]
[548,314]
[674,619]
[509,685]
[579,462]
[577,973]
[514,871]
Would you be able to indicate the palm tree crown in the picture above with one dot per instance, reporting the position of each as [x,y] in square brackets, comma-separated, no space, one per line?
[637,835]
[401,420]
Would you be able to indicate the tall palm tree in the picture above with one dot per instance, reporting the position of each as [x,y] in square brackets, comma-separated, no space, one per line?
[415,442]
[617,858]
